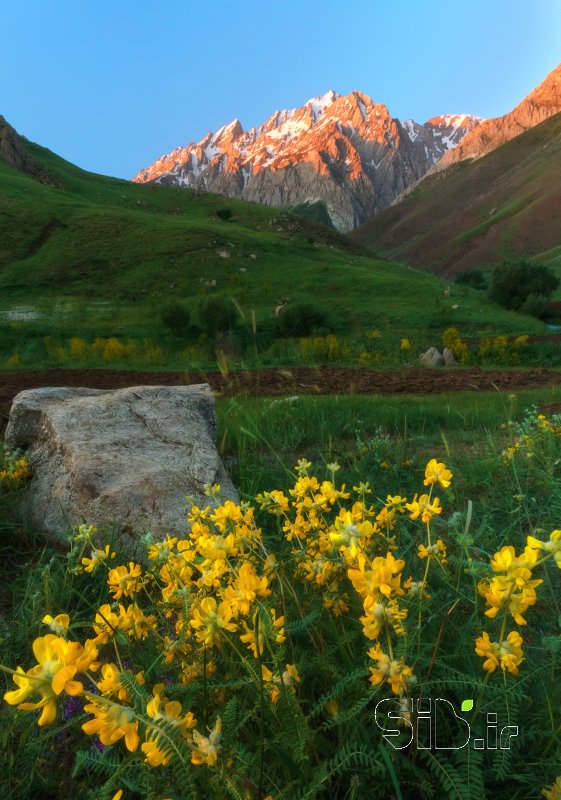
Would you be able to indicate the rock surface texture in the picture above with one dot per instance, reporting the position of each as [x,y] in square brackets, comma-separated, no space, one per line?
[431,358]
[449,358]
[126,458]
[14,153]
[344,151]
[543,102]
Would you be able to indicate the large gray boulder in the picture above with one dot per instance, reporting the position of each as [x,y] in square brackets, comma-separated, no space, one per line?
[431,358]
[125,458]
[449,358]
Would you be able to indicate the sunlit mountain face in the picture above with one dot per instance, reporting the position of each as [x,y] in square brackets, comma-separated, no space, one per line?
[344,151]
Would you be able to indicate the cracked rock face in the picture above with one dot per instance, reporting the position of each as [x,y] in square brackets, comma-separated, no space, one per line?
[126,458]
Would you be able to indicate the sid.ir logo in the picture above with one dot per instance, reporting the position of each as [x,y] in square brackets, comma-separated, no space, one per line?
[437,725]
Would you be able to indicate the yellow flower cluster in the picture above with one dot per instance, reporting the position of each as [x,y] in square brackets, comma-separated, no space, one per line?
[58,663]
[218,596]
[334,544]
[14,471]
[553,792]
[512,590]
[452,340]
[536,427]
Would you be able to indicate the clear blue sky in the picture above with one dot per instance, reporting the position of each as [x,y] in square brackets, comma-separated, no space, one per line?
[112,84]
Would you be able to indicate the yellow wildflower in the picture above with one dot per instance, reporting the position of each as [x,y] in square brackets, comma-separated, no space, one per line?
[125,582]
[59,624]
[423,508]
[249,638]
[500,593]
[378,613]
[209,620]
[507,654]
[517,569]
[111,722]
[381,576]
[58,663]
[161,551]
[289,677]
[110,682]
[392,671]
[437,550]
[436,472]
[245,589]
[551,547]
[98,557]
[348,534]
[207,746]
[553,792]
[170,711]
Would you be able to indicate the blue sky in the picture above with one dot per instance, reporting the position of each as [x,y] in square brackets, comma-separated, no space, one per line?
[112,84]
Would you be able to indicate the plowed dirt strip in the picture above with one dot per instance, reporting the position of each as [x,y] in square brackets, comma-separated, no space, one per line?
[279,382]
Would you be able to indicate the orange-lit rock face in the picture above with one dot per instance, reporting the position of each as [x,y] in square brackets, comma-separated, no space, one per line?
[543,102]
[346,151]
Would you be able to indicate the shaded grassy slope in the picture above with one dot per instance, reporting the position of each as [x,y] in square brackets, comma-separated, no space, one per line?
[479,212]
[103,255]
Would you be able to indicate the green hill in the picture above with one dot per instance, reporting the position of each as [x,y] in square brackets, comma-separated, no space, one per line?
[479,212]
[89,256]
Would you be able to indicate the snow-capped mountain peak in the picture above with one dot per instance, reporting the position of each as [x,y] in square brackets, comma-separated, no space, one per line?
[345,150]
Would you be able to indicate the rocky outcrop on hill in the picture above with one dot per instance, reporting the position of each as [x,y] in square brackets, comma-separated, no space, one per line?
[346,151]
[125,458]
[539,105]
[13,151]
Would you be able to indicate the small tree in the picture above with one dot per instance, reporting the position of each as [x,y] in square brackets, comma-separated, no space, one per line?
[471,277]
[301,319]
[513,282]
[177,319]
[534,305]
[216,315]
[225,214]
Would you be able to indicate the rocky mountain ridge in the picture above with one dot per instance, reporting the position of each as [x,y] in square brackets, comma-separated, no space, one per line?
[14,153]
[343,150]
[543,102]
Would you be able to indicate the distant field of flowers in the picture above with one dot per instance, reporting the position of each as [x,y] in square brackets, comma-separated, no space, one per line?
[290,647]
[372,348]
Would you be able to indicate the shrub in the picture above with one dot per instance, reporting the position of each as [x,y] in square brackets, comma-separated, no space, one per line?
[177,318]
[534,305]
[78,347]
[472,277]
[114,350]
[225,214]
[459,349]
[301,319]
[512,283]
[216,315]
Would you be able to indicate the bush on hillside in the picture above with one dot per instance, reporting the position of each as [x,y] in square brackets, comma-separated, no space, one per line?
[512,283]
[472,277]
[177,318]
[534,305]
[216,315]
[225,214]
[301,319]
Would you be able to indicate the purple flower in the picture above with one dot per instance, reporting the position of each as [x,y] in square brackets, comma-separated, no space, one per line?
[72,706]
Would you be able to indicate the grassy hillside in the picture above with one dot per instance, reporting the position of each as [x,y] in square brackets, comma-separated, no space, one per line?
[98,256]
[479,212]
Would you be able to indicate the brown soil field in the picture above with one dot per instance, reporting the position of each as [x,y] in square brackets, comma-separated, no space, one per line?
[279,382]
